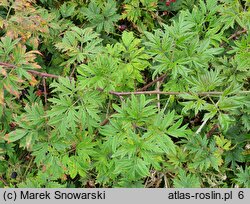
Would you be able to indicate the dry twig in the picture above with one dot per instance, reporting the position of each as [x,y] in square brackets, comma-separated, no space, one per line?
[42,74]
[161,78]
[171,93]
[238,33]
[45,91]
[4,182]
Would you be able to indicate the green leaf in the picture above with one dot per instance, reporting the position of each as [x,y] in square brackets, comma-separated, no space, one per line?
[79,44]
[203,153]
[225,120]
[175,131]
[15,135]
[72,167]
[102,16]
[223,143]
[234,156]
[142,167]
[86,149]
[68,9]
[243,177]
[186,180]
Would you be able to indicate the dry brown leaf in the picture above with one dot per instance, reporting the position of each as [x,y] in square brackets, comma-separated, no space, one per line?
[33,81]
[11,90]
[1,96]
[3,71]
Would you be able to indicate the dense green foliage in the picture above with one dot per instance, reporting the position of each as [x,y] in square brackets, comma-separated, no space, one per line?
[128,93]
